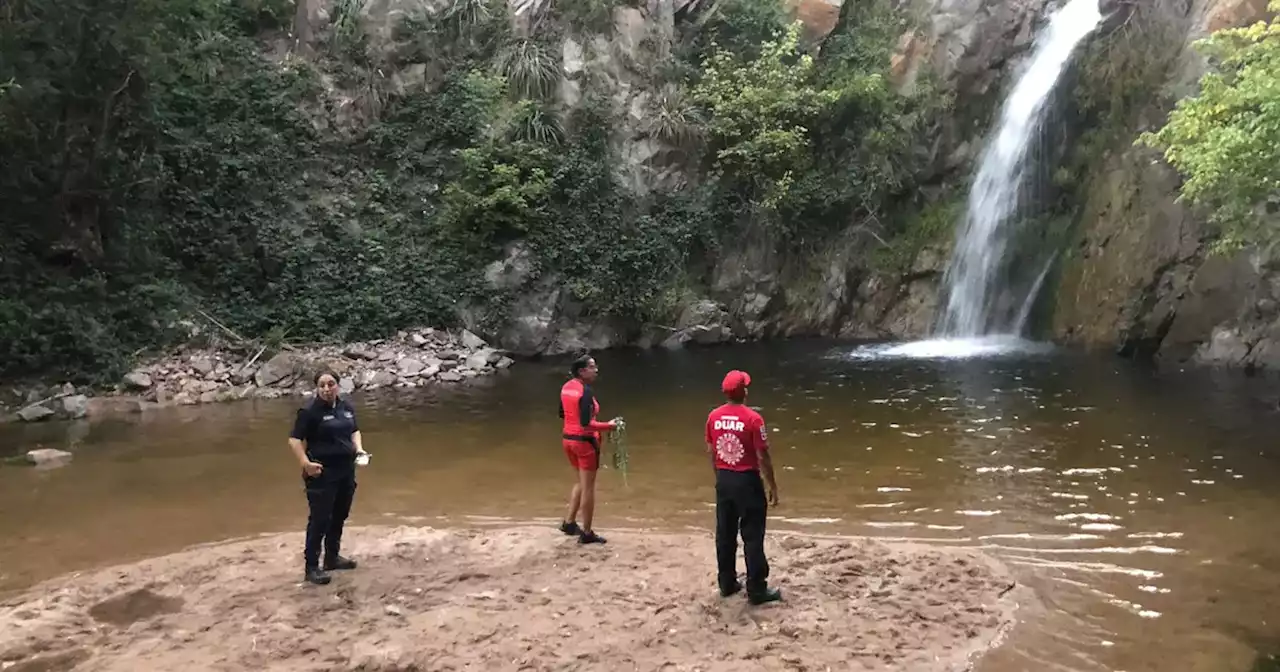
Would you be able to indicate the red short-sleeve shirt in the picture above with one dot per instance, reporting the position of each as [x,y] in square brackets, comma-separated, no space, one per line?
[736,434]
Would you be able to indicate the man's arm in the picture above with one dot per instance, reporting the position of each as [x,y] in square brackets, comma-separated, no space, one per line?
[766,468]
[711,446]
[766,463]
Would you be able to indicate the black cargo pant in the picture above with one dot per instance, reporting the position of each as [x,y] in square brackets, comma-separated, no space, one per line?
[741,506]
[329,498]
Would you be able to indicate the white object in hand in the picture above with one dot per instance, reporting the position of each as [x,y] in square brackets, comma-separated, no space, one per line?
[362,459]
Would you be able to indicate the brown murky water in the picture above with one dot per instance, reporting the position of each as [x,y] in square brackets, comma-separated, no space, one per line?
[1142,508]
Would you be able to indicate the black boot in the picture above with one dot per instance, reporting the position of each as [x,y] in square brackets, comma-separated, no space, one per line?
[731,589]
[338,562]
[764,596]
[570,528]
[317,576]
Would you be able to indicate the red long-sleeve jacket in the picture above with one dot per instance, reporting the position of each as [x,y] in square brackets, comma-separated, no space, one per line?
[578,407]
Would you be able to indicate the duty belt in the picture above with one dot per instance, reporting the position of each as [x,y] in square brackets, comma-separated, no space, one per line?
[585,439]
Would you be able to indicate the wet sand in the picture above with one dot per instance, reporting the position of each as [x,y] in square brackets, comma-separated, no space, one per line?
[520,598]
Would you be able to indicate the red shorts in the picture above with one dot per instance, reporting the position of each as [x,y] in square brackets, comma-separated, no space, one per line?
[582,455]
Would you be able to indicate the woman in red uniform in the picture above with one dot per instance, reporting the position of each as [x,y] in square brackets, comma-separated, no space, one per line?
[581,436]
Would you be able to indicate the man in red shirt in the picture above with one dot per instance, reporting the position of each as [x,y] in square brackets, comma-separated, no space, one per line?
[739,448]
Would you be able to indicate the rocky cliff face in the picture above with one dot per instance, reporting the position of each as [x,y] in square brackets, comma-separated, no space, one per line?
[1140,278]
[1136,278]
[752,290]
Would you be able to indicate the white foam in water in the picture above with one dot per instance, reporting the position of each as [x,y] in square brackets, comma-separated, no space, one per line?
[952,348]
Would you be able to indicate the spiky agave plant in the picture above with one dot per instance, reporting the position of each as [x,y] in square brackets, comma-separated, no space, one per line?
[674,119]
[530,68]
[532,122]
[462,15]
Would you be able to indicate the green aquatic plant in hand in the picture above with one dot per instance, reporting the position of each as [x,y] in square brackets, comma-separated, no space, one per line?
[619,440]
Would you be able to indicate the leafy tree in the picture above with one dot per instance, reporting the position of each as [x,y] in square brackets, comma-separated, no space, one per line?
[1226,139]
[760,111]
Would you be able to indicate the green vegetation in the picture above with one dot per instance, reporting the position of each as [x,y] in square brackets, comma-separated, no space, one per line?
[931,224]
[1226,139]
[165,159]
[1119,77]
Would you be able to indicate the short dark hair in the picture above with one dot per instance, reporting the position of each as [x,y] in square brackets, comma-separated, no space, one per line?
[580,363]
[325,372]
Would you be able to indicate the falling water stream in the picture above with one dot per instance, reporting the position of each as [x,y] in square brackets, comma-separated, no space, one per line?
[982,314]
[972,279]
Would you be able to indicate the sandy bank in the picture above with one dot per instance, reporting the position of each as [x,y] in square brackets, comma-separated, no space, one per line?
[514,599]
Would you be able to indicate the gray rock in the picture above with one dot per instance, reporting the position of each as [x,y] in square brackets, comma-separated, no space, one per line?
[67,389]
[575,337]
[282,368]
[381,379]
[360,352]
[346,385]
[677,340]
[504,363]
[75,406]
[410,367]
[242,376]
[472,342]
[533,316]
[35,413]
[511,272]
[48,457]
[450,376]
[480,359]
[137,381]
[418,339]
[1226,346]
[449,355]
[703,312]
[103,407]
[704,335]
[202,365]
[448,365]
[208,397]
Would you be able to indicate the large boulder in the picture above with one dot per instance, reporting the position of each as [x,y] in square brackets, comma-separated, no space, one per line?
[138,380]
[75,406]
[281,370]
[35,413]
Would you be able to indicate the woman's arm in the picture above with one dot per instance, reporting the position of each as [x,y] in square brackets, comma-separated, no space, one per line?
[298,443]
[299,451]
[586,413]
[355,439]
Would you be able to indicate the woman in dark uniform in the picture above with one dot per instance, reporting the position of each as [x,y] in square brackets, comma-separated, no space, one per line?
[326,441]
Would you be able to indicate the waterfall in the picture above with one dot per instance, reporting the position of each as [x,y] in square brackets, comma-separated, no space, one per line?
[978,303]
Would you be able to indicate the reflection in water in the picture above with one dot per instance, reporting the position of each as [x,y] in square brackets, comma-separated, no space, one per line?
[1138,506]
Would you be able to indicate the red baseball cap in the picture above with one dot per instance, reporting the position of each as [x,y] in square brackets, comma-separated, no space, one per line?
[735,380]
